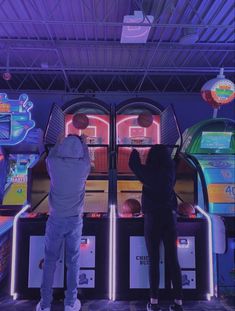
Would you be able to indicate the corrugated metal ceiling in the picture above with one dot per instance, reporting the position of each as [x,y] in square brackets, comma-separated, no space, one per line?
[75,45]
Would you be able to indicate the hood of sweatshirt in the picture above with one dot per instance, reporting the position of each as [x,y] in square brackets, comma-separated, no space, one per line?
[70,147]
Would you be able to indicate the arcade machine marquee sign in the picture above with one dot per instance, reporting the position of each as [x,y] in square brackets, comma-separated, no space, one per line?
[15,119]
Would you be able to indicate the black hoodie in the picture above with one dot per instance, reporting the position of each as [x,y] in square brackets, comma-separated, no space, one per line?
[157,177]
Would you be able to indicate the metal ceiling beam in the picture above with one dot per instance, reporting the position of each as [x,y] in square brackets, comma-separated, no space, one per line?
[153,54]
[96,84]
[103,93]
[84,85]
[153,84]
[112,24]
[58,51]
[89,84]
[80,83]
[168,82]
[43,44]
[119,70]
[114,4]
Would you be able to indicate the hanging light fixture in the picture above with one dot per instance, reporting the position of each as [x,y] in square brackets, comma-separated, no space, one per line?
[7,75]
[218,91]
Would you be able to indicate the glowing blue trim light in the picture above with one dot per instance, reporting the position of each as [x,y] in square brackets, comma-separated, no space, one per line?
[210,259]
[112,253]
[14,250]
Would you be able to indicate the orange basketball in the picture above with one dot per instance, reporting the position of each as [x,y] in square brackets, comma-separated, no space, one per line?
[145,119]
[131,206]
[80,121]
[186,209]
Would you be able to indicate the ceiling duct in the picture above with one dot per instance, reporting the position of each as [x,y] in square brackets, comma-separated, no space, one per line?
[136,33]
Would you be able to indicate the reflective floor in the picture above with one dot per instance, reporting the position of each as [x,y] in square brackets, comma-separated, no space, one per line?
[7,304]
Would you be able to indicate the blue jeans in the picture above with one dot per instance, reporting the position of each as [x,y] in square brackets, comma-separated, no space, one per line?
[59,230]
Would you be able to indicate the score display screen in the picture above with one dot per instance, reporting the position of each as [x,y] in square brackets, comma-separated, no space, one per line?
[216,140]
[221,193]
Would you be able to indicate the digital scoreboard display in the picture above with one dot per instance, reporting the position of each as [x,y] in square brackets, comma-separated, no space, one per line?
[216,140]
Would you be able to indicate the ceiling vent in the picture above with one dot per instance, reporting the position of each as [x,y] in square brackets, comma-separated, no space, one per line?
[136,33]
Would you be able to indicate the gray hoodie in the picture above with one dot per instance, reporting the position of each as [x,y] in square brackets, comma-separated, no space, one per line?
[68,165]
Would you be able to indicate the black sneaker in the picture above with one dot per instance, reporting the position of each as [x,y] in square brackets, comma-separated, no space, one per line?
[176,307]
[153,307]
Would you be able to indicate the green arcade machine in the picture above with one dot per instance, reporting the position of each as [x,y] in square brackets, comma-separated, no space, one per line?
[210,147]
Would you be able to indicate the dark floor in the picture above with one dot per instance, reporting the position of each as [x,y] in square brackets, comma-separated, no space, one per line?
[7,304]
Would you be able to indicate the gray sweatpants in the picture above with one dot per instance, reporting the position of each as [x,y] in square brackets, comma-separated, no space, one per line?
[58,231]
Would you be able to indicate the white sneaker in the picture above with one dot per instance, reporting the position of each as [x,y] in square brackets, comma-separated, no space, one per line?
[38,308]
[75,307]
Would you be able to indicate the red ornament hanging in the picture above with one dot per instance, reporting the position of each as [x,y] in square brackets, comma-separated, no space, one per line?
[218,91]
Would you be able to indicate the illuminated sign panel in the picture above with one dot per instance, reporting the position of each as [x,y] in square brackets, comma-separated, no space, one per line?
[219,173]
[216,140]
[222,208]
[16,186]
[223,175]
[218,161]
[15,119]
[5,108]
[221,193]
[5,126]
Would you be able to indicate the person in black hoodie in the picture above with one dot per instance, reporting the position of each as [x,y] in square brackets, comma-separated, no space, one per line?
[159,206]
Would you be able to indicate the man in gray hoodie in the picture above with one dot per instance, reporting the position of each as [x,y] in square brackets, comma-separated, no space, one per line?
[68,165]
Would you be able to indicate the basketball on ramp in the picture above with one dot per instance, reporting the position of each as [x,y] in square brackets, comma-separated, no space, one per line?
[131,206]
[186,209]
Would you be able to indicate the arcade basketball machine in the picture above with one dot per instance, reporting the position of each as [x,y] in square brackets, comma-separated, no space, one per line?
[94,262]
[137,126]
[20,151]
[210,147]
[140,124]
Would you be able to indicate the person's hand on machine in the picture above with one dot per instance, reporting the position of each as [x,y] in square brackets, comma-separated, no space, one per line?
[134,156]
